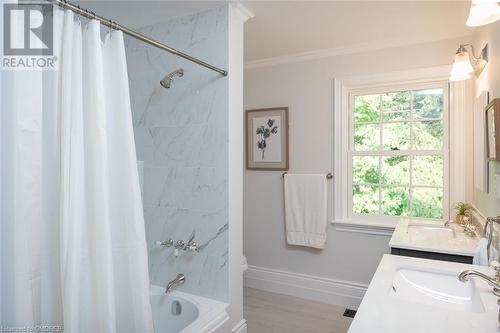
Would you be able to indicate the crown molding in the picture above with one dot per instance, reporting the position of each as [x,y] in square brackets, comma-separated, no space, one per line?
[416,75]
[243,11]
[345,50]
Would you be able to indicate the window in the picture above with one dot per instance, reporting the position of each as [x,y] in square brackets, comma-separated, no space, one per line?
[398,152]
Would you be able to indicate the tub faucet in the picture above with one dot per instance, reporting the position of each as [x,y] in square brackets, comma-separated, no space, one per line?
[179,279]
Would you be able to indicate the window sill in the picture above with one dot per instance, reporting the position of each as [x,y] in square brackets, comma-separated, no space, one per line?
[380,228]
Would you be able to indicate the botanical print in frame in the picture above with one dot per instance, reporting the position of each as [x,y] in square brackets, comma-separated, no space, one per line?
[267,139]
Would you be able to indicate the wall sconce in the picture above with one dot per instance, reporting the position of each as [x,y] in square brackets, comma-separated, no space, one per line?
[466,63]
[483,12]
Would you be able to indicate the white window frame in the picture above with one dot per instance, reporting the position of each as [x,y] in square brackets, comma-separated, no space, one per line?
[444,151]
[454,109]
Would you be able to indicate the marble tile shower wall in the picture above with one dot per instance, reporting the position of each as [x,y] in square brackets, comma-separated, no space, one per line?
[182,136]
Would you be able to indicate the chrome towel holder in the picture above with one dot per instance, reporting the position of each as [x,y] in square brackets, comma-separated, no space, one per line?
[328,175]
[489,223]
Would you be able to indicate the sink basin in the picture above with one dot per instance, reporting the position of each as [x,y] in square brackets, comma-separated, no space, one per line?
[429,233]
[436,289]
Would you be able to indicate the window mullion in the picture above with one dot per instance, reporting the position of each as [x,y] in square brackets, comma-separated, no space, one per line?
[395,185]
[412,145]
[397,153]
[410,199]
[398,121]
[380,157]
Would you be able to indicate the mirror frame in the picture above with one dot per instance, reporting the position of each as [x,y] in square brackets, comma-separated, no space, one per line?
[493,115]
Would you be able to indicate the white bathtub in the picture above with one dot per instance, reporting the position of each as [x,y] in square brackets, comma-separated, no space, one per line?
[197,314]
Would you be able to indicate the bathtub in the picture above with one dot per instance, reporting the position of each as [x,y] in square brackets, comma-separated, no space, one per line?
[182,312]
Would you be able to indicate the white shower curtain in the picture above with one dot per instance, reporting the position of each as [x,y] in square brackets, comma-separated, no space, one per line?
[72,240]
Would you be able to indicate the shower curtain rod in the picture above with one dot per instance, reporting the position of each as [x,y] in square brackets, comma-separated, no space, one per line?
[113,25]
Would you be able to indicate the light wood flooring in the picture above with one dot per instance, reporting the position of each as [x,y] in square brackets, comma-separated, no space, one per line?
[267,312]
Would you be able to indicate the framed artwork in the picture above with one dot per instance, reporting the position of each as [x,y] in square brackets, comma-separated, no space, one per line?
[267,139]
[493,130]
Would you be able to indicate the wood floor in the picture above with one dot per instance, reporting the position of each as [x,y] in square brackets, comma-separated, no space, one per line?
[267,312]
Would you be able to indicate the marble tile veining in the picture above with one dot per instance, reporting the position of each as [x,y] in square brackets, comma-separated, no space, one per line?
[181,136]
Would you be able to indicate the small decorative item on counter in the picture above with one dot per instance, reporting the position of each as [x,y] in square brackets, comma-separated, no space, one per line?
[470,229]
[461,208]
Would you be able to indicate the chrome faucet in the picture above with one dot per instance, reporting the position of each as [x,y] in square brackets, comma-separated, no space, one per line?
[179,279]
[492,281]
[189,246]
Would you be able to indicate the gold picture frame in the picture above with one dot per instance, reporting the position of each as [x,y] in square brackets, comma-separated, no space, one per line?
[267,139]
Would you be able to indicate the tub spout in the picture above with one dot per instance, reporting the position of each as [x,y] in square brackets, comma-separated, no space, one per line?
[179,279]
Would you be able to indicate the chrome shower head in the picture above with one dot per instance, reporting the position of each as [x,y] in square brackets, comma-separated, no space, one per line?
[166,82]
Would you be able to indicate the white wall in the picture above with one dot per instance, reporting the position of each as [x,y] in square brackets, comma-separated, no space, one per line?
[489,80]
[307,89]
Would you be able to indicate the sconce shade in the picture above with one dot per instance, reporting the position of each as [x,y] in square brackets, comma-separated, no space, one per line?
[461,67]
[483,12]
[454,77]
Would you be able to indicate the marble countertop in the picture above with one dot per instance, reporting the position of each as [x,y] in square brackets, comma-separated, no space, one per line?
[382,311]
[461,244]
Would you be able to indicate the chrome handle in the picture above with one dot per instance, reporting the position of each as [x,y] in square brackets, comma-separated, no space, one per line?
[168,243]
[191,246]
[180,244]
[496,267]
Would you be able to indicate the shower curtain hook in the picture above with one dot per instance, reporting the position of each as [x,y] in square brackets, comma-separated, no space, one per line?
[110,26]
[79,13]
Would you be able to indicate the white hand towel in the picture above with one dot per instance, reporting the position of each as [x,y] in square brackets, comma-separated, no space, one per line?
[493,253]
[481,253]
[305,210]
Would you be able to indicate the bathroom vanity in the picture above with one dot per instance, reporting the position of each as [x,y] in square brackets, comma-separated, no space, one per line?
[417,295]
[432,240]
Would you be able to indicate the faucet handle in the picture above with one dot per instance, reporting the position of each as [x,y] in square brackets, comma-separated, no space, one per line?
[496,266]
[168,243]
[180,244]
[192,246]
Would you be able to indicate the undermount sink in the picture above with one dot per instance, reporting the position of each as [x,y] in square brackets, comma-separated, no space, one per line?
[436,289]
[429,233]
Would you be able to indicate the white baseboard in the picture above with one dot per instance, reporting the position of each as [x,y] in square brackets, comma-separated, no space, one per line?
[241,327]
[310,287]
